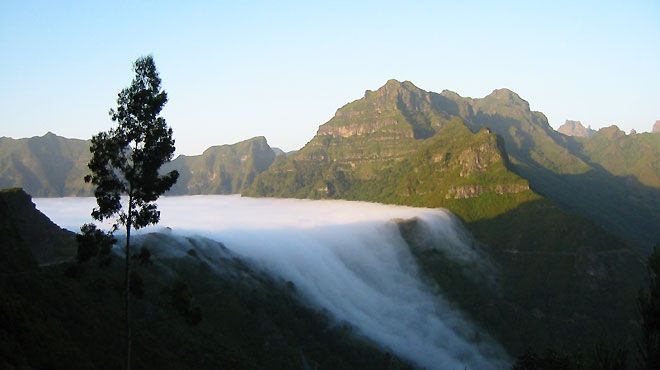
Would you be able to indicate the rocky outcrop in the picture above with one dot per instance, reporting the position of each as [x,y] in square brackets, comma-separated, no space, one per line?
[575,128]
[473,191]
[477,159]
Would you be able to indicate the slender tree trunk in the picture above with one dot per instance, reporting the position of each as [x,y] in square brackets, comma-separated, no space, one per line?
[128,283]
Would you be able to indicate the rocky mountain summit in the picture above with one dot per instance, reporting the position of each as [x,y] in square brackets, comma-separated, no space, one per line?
[575,128]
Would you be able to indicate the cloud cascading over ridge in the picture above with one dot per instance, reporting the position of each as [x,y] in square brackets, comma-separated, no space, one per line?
[348,258]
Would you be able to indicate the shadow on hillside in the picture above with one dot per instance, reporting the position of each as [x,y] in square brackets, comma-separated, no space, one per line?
[620,204]
[180,187]
[564,281]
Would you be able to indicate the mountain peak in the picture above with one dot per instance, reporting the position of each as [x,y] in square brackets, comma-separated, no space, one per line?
[396,85]
[575,128]
[505,93]
[505,98]
[611,132]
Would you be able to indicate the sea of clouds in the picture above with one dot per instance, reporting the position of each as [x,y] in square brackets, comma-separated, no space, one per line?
[348,258]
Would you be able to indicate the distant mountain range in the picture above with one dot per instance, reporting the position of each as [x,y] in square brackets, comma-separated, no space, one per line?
[481,158]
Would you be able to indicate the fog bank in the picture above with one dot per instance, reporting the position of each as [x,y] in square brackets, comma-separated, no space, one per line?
[348,258]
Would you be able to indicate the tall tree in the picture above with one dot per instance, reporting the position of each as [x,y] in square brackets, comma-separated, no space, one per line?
[126,161]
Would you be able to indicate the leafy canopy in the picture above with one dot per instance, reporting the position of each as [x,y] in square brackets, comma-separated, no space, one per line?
[125,160]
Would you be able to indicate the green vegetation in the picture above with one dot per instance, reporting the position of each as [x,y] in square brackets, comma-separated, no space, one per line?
[52,165]
[48,165]
[225,169]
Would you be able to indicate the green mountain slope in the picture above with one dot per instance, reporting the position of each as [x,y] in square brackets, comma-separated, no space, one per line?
[48,165]
[54,166]
[225,169]
[394,146]
[571,172]
[635,155]
[403,145]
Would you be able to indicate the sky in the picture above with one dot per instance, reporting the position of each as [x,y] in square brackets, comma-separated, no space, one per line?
[279,69]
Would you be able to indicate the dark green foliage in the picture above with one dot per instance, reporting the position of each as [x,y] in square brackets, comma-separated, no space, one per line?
[600,358]
[93,242]
[536,294]
[649,307]
[126,160]
[144,257]
[182,300]
[27,237]
[137,285]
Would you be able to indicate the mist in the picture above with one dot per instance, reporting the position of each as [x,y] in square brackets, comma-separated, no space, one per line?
[347,258]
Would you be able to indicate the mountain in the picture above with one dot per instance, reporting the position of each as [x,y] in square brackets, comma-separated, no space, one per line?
[224,169]
[559,168]
[575,128]
[481,158]
[394,146]
[54,166]
[636,156]
[656,127]
[48,165]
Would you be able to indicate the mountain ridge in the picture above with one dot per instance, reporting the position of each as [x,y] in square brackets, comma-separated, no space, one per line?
[386,128]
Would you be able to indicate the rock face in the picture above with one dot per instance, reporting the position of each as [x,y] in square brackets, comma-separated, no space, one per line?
[575,128]
[656,127]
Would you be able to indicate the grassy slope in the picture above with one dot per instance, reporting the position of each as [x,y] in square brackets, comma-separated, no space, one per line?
[635,155]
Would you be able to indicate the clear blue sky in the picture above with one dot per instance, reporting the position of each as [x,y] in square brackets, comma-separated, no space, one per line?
[239,69]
